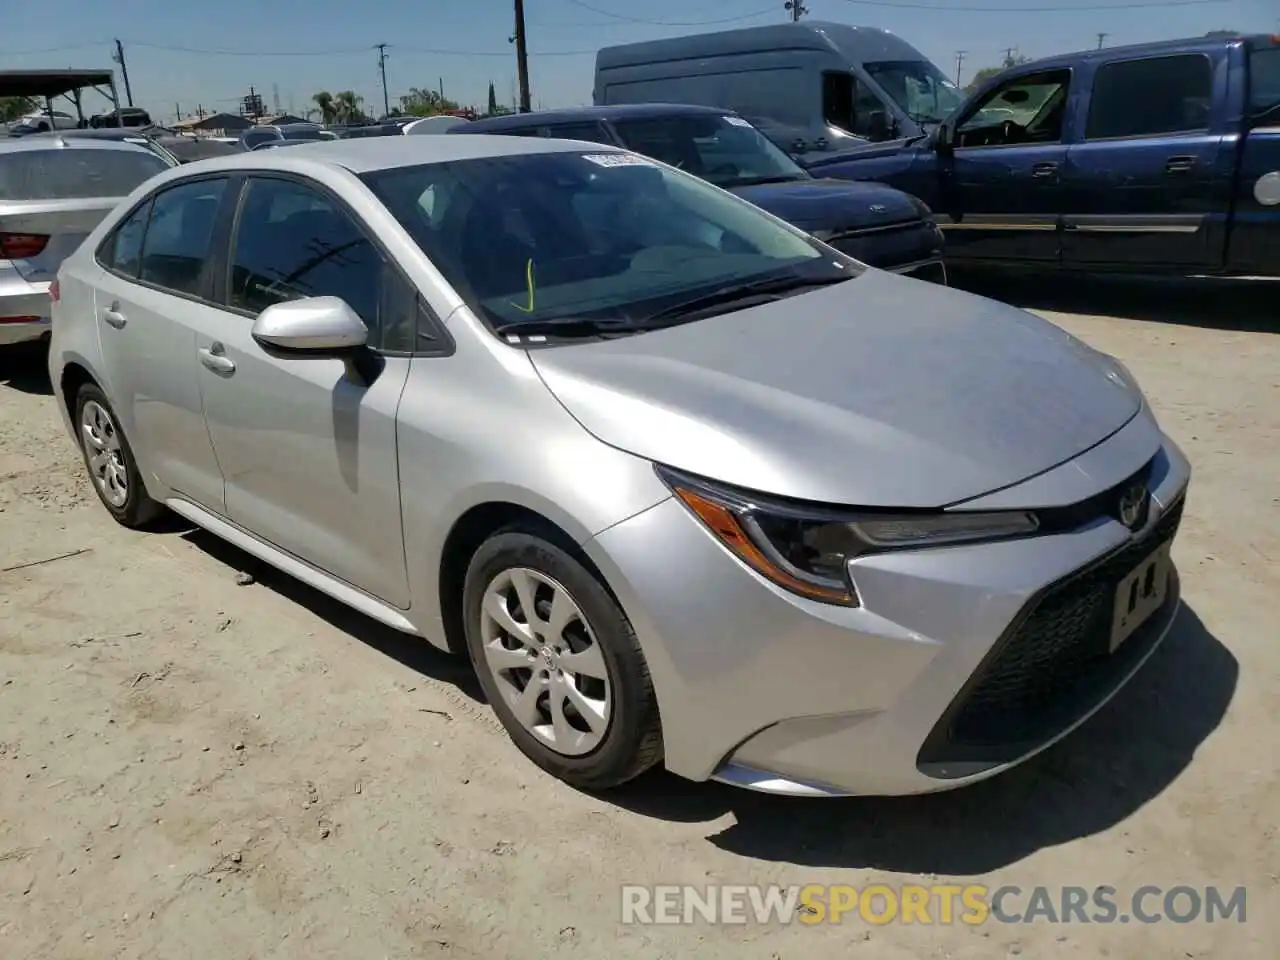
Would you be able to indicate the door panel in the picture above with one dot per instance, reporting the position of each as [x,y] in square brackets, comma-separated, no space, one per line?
[307,447]
[1143,186]
[147,338]
[308,454]
[1001,185]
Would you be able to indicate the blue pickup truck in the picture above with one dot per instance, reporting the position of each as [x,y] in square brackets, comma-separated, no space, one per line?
[1159,158]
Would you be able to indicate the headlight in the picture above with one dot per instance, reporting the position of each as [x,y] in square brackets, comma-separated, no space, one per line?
[807,549]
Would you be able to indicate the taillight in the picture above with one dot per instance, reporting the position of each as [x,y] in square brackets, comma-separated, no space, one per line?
[54,290]
[22,246]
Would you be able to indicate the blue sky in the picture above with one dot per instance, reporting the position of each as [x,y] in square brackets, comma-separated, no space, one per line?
[291,48]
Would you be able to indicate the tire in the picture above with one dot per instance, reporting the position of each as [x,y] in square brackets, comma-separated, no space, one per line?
[116,480]
[593,749]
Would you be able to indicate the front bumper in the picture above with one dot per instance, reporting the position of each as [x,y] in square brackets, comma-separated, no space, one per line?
[765,690]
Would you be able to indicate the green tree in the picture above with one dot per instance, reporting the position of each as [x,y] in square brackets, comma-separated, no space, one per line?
[425,103]
[986,73]
[493,99]
[11,108]
[347,106]
[324,103]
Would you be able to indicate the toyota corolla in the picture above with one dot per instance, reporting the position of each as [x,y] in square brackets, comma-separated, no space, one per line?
[687,485]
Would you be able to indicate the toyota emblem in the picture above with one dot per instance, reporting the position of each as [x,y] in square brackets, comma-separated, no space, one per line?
[1132,502]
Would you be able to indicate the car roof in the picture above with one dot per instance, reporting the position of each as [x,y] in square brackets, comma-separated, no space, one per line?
[367,154]
[100,133]
[632,111]
[1151,48]
[19,144]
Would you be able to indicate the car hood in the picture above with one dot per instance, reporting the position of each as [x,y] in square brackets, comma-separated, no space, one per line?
[882,391]
[832,204]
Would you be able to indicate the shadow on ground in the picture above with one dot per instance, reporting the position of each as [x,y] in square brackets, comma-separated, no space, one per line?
[1124,757]
[1121,759]
[1245,305]
[414,652]
[25,367]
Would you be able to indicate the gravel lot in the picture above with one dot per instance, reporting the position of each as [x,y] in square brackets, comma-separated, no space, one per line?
[194,768]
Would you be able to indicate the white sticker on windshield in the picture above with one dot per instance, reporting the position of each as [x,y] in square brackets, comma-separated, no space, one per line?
[737,122]
[617,160]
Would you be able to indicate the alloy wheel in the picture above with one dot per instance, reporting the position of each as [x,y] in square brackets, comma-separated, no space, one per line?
[104,454]
[546,660]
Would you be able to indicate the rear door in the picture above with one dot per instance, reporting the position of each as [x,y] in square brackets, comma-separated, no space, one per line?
[1000,195]
[50,200]
[151,293]
[1152,165]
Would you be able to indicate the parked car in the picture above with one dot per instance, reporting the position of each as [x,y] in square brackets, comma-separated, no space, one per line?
[127,117]
[813,87]
[41,121]
[148,137]
[1158,158]
[876,224]
[52,193]
[263,133]
[687,485]
[191,149]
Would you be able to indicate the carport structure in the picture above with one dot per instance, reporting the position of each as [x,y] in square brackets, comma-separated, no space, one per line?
[47,84]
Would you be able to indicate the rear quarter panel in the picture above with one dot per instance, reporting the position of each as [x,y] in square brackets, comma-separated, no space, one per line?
[1253,243]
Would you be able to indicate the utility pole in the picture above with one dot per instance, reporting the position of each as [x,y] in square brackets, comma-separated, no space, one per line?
[382,69]
[119,58]
[522,58]
[177,111]
[960,54]
[797,9]
[1009,53]
[1101,38]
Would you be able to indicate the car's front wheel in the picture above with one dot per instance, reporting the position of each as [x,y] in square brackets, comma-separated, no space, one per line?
[112,467]
[559,662]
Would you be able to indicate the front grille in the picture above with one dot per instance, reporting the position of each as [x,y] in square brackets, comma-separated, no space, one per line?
[1051,667]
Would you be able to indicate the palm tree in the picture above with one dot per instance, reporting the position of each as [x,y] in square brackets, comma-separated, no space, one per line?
[325,104]
[347,106]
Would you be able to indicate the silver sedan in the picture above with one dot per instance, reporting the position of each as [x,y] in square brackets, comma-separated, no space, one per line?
[687,485]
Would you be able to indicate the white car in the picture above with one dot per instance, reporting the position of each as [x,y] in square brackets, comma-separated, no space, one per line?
[39,122]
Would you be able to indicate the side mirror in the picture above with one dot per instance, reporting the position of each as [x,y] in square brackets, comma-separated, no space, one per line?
[311,327]
[878,125]
[943,138]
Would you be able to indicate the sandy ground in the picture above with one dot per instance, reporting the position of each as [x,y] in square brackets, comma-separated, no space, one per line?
[194,768]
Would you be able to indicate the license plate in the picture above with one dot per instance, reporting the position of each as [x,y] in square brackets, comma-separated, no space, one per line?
[1139,595]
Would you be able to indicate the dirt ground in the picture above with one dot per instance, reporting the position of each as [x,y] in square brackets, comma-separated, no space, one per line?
[193,768]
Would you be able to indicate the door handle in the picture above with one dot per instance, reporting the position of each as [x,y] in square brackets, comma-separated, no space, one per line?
[1179,164]
[1043,170]
[114,318]
[213,358]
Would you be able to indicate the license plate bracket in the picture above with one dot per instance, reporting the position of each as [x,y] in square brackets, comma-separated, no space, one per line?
[1140,594]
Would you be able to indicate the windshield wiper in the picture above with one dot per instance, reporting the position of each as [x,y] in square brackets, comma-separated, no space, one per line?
[577,327]
[764,290]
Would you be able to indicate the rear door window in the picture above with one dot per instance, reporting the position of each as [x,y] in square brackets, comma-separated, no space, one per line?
[178,237]
[68,173]
[123,251]
[1151,96]
[1264,83]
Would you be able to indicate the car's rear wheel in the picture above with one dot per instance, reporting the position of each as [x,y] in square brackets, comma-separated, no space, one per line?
[112,467]
[559,662]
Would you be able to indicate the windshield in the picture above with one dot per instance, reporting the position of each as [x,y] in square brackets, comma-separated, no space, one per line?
[918,87]
[549,236]
[60,173]
[728,151]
